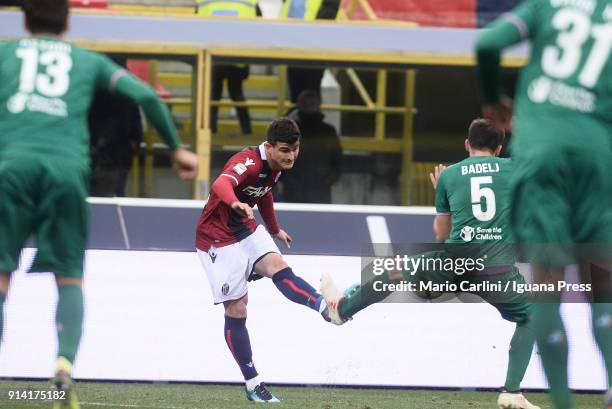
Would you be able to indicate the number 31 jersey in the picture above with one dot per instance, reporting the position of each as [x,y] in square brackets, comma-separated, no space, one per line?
[46,87]
[476,193]
[569,75]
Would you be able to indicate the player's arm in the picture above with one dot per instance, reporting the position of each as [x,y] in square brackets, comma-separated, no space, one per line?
[223,187]
[511,28]
[117,80]
[442,225]
[235,172]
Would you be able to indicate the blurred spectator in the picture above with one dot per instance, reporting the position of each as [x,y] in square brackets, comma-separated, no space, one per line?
[301,79]
[235,74]
[320,159]
[115,128]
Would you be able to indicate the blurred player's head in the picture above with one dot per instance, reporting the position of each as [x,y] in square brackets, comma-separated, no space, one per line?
[282,143]
[309,101]
[484,137]
[46,16]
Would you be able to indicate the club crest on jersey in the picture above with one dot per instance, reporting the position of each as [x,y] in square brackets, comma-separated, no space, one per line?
[467,233]
[242,167]
[257,191]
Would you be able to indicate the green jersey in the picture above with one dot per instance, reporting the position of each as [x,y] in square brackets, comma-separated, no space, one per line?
[476,194]
[46,87]
[569,74]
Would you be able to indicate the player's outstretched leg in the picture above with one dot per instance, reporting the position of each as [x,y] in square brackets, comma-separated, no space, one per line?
[69,322]
[297,290]
[237,339]
[291,286]
[343,305]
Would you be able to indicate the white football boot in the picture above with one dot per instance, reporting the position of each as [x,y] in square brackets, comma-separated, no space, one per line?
[332,297]
[507,400]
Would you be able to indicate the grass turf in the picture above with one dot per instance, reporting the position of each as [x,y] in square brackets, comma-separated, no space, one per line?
[182,396]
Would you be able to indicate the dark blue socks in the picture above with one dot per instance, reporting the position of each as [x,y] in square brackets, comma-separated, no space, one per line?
[237,339]
[296,289]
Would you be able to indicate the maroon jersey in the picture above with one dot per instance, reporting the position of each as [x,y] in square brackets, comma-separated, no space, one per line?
[252,180]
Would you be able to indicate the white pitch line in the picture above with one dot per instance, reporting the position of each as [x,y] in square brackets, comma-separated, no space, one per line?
[124,405]
[379,235]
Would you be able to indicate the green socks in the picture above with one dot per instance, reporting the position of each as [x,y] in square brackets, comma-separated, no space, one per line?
[602,329]
[69,320]
[363,296]
[2,299]
[521,347]
[552,342]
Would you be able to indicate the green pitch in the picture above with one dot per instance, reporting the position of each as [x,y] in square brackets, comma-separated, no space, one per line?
[173,396]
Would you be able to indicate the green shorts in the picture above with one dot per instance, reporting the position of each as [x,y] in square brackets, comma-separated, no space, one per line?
[48,201]
[562,195]
[513,306]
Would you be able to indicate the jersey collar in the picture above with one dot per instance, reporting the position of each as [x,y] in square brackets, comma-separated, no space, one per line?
[262,151]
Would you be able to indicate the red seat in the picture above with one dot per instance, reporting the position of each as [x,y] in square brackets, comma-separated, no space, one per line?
[141,69]
[90,4]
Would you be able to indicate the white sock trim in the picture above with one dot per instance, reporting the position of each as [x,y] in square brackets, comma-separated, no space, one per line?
[252,383]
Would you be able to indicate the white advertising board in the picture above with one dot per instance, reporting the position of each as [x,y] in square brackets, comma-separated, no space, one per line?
[149,316]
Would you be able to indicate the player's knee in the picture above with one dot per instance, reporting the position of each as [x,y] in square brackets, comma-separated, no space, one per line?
[236,308]
[271,264]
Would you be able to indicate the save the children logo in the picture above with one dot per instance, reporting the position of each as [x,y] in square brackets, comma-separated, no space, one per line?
[467,233]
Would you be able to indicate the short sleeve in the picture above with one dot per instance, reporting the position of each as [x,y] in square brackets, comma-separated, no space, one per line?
[442,204]
[239,167]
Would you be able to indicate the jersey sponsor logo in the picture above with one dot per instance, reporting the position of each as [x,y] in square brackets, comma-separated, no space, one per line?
[256,191]
[543,89]
[467,234]
[263,175]
[479,168]
[35,103]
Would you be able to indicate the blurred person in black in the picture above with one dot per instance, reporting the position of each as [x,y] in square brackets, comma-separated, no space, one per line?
[319,167]
[301,78]
[115,126]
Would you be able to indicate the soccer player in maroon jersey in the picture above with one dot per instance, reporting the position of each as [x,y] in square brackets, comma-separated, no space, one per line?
[234,249]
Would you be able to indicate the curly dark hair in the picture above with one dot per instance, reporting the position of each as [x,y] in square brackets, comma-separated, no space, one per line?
[46,16]
[283,130]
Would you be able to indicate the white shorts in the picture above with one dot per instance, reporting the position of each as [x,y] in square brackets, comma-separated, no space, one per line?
[229,267]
